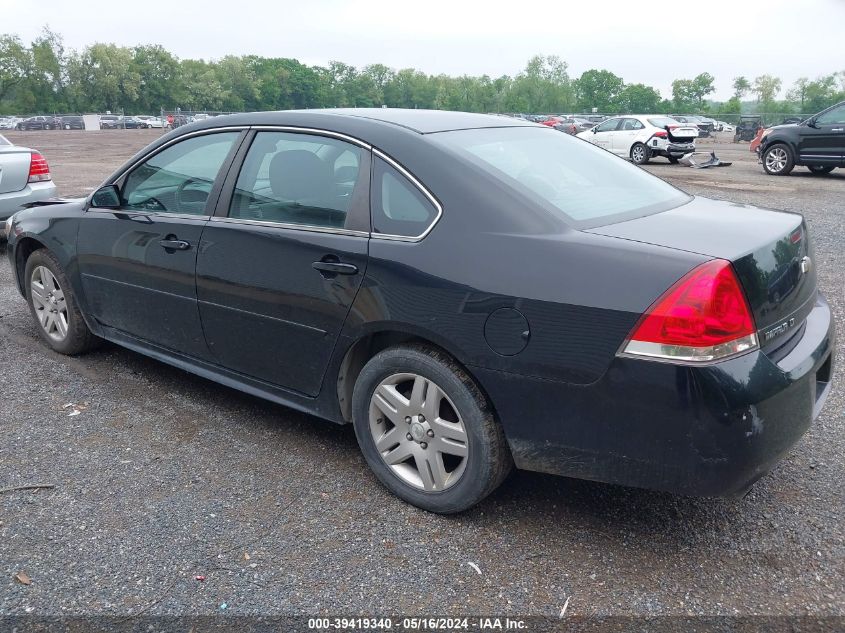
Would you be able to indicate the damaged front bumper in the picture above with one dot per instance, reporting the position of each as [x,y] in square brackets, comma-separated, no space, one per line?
[698,430]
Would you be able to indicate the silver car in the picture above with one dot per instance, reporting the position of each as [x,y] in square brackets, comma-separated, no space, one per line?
[24,177]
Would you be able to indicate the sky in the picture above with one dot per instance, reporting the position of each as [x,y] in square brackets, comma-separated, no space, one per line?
[642,41]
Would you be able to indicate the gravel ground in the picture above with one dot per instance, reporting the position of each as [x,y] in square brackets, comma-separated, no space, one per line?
[164,476]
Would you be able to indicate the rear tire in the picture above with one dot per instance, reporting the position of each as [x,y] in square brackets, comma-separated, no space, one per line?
[54,307]
[778,160]
[820,170]
[640,154]
[427,431]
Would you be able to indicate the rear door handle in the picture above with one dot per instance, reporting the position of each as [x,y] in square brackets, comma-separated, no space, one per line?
[171,243]
[335,268]
[838,129]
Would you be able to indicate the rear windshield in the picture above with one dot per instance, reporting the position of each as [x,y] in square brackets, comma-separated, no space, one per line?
[587,185]
[662,121]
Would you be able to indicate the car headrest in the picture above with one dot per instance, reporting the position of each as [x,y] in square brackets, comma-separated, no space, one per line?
[298,174]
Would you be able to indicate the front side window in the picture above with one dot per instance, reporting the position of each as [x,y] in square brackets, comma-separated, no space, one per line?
[399,208]
[565,175]
[608,126]
[178,179]
[833,117]
[301,179]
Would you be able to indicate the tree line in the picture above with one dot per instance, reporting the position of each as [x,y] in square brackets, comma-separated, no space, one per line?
[44,77]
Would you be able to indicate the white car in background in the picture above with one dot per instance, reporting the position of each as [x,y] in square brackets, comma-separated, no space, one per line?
[152,121]
[641,137]
[9,122]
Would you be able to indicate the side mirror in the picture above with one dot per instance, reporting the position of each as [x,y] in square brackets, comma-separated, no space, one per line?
[593,129]
[107,197]
[811,122]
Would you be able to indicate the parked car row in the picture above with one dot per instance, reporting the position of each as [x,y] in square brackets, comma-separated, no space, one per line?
[76,122]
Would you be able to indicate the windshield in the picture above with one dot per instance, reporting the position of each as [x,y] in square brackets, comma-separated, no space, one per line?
[586,184]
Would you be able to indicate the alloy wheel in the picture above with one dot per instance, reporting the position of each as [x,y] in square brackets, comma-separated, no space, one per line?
[776,159]
[49,302]
[418,432]
[638,154]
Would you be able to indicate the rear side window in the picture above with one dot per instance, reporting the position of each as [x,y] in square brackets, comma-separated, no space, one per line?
[399,208]
[297,179]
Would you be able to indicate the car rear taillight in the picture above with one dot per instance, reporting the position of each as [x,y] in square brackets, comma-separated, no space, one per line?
[703,317]
[661,134]
[39,171]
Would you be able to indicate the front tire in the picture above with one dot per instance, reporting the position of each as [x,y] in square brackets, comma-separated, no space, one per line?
[820,170]
[427,431]
[54,307]
[778,160]
[640,154]
[673,159]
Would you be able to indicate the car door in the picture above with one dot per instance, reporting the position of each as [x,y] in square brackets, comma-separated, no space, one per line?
[137,263]
[603,135]
[625,136]
[286,253]
[824,144]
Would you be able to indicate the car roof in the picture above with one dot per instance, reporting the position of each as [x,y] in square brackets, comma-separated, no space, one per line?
[420,121]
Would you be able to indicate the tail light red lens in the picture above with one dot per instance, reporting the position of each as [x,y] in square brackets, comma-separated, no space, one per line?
[703,317]
[661,134]
[39,171]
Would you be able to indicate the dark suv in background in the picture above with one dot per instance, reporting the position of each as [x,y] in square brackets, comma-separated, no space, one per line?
[72,122]
[817,143]
[39,123]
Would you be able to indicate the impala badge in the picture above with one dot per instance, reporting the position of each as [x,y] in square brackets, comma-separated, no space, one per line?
[806,265]
[782,328]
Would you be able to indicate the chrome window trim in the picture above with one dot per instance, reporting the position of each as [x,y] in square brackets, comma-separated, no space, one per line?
[286,225]
[422,189]
[161,214]
[181,137]
[311,130]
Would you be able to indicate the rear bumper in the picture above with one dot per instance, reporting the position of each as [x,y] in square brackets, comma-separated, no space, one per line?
[675,150]
[14,201]
[703,431]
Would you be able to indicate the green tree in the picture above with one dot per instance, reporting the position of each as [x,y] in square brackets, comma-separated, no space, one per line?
[598,89]
[741,87]
[766,87]
[15,64]
[159,74]
[636,98]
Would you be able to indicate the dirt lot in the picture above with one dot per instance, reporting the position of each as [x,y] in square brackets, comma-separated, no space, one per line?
[164,476]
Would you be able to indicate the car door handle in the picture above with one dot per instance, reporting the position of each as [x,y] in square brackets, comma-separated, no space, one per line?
[171,243]
[335,268]
[838,129]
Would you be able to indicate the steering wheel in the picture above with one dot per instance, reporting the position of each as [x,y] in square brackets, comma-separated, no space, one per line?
[180,191]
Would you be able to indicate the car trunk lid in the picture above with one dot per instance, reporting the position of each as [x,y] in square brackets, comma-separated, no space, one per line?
[770,252]
[14,168]
[682,134]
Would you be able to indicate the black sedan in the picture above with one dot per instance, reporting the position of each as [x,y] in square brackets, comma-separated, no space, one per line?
[470,292]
